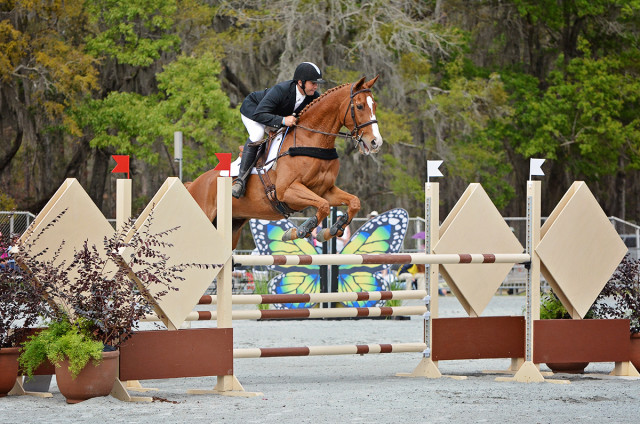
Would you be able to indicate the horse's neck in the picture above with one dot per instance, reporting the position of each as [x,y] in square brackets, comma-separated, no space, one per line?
[325,117]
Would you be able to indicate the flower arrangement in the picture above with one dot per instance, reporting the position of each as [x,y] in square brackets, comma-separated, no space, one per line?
[620,297]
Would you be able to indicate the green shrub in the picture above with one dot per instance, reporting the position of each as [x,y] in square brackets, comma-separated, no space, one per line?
[262,287]
[61,340]
[552,308]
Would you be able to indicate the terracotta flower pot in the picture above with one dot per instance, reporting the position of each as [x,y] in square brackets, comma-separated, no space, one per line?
[635,350]
[93,381]
[8,369]
[568,367]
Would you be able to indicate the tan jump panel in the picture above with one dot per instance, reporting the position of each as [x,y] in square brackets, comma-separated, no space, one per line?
[195,242]
[475,225]
[579,249]
[82,221]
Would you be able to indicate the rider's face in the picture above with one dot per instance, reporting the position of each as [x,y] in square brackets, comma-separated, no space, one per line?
[309,87]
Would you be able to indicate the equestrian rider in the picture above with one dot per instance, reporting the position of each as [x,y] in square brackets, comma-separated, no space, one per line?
[274,107]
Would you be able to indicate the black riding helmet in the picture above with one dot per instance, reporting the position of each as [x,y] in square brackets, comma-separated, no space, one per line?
[307,71]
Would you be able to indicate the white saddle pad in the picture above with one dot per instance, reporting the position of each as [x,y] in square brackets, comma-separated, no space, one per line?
[273,153]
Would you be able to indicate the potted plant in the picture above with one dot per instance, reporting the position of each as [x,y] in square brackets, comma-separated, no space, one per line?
[97,306]
[21,307]
[620,299]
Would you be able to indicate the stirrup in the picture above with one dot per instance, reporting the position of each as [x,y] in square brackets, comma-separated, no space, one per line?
[238,188]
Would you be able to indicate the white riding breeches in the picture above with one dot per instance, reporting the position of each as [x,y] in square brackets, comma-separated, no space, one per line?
[255,129]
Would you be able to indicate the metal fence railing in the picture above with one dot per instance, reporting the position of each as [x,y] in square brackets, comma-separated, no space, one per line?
[15,222]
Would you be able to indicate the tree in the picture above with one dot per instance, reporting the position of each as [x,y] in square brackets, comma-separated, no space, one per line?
[44,72]
[189,99]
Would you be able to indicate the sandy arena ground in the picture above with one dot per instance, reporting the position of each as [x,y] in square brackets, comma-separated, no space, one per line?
[355,388]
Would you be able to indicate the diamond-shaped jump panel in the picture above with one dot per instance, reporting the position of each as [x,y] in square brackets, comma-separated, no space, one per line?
[195,242]
[78,220]
[474,225]
[579,249]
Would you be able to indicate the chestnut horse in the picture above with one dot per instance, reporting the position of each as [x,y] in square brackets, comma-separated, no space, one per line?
[307,170]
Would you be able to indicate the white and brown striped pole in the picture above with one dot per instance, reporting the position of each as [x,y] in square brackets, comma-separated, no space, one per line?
[271,352]
[261,299]
[389,258]
[303,313]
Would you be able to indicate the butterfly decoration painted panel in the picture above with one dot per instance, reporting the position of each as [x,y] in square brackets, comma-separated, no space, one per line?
[382,234]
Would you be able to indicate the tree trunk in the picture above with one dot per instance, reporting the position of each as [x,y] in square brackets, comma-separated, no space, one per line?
[99,176]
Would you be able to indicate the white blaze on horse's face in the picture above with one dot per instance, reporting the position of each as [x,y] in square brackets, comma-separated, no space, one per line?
[374,145]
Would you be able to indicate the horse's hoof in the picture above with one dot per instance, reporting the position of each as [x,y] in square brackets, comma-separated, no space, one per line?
[290,234]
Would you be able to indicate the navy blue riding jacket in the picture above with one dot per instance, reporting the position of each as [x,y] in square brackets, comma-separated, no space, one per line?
[268,107]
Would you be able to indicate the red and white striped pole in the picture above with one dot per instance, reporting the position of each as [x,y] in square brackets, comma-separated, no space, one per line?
[302,313]
[270,352]
[390,258]
[261,299]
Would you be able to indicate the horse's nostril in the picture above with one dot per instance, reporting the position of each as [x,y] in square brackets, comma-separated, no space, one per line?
[373,144]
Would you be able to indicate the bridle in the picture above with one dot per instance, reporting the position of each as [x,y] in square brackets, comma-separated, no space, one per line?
[354,134]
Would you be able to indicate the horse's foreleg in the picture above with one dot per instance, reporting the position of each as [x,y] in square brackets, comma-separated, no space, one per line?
[303,231]
[338,197]
[297,196]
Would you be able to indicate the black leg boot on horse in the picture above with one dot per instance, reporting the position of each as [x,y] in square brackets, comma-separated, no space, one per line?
[246,163]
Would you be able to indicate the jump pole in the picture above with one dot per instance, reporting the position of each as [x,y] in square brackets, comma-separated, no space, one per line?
[302,313]
[381,259]
[263,299]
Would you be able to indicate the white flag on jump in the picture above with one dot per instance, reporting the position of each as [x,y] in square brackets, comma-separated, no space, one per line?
[535,167]
[432,168]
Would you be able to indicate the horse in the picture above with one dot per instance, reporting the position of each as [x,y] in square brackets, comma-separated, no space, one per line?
[306,172]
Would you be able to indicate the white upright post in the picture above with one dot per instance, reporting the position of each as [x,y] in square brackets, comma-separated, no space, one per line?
[177,151]
[427,367]
[528,371]
[224,277]
[227,384]
[123,202]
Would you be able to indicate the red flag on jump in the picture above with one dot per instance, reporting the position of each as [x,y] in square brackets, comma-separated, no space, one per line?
[122,164]
[224,165]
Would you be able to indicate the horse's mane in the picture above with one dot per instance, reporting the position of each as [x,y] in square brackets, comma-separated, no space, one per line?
[323,95]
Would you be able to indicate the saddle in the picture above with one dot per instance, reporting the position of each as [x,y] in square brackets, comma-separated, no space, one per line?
[259,164]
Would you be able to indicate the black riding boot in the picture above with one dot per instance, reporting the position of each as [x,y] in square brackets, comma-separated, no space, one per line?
[246,163]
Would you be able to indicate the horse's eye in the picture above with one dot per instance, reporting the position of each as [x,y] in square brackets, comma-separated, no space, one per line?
[360,107]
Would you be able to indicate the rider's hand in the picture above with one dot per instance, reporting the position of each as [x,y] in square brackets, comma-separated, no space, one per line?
[290,120]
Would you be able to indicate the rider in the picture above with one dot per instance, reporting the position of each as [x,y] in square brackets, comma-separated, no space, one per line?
[274,107]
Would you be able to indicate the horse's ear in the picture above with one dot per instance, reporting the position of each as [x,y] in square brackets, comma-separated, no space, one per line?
[358,84]
[370,83]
